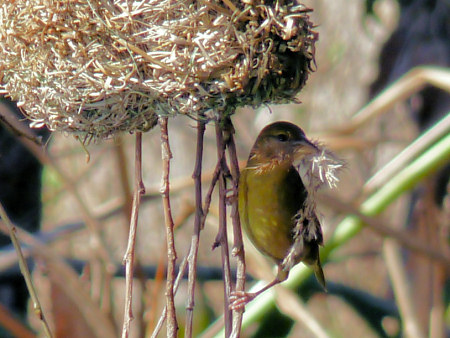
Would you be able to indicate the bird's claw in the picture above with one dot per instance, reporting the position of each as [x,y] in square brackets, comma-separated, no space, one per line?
[238,300]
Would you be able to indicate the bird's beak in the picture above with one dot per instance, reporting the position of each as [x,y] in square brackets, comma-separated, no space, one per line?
[304,148]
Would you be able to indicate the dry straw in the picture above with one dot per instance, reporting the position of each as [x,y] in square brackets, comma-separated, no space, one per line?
[99,67]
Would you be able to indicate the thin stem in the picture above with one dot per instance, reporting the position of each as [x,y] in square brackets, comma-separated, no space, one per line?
[177,283]
[172,325]
[119,152]
[25,272]
[208,196]
[152,301]
[193,254]
[222,237]
[127,210]
[139,190]
[68,280]
[238,246]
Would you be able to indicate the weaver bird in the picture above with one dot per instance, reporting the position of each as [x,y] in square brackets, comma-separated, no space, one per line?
[273,204]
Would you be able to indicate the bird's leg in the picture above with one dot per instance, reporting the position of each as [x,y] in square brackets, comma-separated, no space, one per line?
[239,299]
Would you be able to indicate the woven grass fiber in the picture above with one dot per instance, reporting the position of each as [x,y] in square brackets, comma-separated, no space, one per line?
[97,68]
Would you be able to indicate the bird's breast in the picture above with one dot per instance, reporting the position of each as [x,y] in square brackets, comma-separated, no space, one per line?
[268,202]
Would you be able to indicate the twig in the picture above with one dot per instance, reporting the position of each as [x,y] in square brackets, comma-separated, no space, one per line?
[25,272]
[192,258]
[66,278]
[186,211]
[207,203]
[208,196]
[139,190]
[177,283]
[222,237]
[152,302]
[119,151]
[127,210]
[172,325]
[238,246]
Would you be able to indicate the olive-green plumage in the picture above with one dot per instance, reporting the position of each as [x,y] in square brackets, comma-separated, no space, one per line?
[271,194]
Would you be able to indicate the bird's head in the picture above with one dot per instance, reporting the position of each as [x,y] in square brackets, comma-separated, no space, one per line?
[281,142]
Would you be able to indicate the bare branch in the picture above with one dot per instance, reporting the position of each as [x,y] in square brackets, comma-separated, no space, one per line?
[25,272]
[238,246]
[222,237]
[119,151]
[172,325]
[177,283]
[193,252]
[139,190]
[68,280]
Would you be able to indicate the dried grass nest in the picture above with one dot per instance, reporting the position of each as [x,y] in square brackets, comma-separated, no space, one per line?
[99,67]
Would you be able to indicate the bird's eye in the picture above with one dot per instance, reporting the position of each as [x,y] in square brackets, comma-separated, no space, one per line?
[282,137]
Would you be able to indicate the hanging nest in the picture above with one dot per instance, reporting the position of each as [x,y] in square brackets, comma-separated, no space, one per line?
[98,67]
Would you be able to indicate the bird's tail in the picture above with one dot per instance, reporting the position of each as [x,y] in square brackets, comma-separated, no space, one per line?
[317,267]
[312,259]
